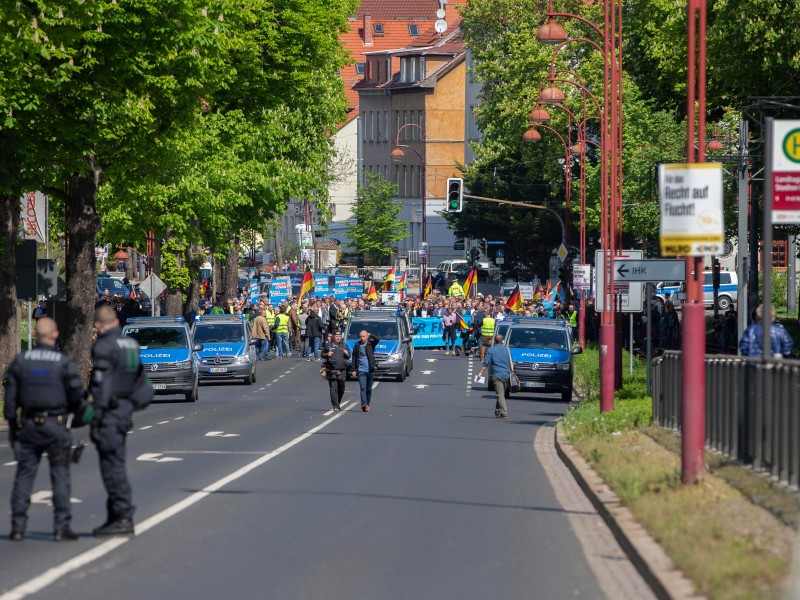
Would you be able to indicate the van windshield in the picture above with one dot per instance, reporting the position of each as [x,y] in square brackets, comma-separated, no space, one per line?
[384,330]
[158,337]
[553,339]
[219,332]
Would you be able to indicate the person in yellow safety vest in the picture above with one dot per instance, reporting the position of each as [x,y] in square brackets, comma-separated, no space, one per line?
[487,333]
[269,314]
[456,291]
[282,333]
[572,314]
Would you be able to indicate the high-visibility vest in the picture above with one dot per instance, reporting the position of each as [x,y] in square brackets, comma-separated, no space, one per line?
[573,319]
[487,329]
[283,323]
[270,316]
[456,290]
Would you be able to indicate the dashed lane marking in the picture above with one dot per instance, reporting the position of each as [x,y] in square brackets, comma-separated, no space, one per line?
[162,422]
[145,427]
[156,457]
[78,562]
[177,418]
[222,434]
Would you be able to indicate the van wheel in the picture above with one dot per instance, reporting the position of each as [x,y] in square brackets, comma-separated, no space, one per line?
[723,302]
[566,396]
[253,376]
[248,380]
[402,376]
[191,396]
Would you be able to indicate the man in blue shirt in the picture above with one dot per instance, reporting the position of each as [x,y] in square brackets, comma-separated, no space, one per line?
[498,357]
[364,366]
[780,341]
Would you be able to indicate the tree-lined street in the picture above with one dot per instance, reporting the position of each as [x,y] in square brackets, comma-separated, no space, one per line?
[262,491]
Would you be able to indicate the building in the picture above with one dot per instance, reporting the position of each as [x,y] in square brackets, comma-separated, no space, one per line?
[420,93]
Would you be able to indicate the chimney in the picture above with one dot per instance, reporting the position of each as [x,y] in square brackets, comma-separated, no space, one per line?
[368,30]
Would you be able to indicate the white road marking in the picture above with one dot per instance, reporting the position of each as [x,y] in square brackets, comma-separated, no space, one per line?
[162,422]
[427,372]
[58,572]
[343,406]
[222,434]
[421,386]
[46,497]
[431,359]
[275,381]
[156,457]
[177,418]
[145,427]
[10,464]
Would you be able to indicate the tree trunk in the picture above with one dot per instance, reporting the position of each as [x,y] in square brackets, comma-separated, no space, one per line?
[278,250]
[194,259]
[82,224]
[230,271]
[9,323]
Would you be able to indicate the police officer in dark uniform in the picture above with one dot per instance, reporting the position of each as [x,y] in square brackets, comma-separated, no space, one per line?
[42,388]
[336,355]
[115,372]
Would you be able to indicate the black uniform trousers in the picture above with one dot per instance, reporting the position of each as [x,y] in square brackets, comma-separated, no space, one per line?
[336,384]
[31,441]
[109,437]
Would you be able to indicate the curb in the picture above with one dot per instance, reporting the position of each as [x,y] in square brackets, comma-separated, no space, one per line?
[652,562]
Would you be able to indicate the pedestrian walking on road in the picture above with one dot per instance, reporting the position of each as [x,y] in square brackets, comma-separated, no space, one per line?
[261,335]
[281,331]
[314,329]
[498,358]
[364,366]
[336,356]
[118,386]
[42,389]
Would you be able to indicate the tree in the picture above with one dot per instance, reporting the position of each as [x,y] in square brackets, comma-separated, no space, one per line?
[376,227]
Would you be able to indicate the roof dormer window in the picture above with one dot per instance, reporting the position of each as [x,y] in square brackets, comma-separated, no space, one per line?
[359,68]
[413,30]
[378,28]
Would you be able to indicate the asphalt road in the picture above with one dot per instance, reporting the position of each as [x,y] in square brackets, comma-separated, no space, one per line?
[261,492]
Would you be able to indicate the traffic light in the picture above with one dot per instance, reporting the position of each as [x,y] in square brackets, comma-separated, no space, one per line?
[455,194]
[474,255]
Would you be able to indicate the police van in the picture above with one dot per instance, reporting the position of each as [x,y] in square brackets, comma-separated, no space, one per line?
[541,352]
[675,291]
[394,354]
[229,351]
[167,353]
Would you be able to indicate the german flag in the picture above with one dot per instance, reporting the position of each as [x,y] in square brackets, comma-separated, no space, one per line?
[372,294]
[472,279]
[462,324]
[427,289]
[387,285]
[549,287]
[307,286]
[515,299]
[401,283]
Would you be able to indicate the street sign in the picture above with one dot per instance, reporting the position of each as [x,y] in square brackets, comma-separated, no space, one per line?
[495,243]
[500,253]
[562,252]
[499,260]
[691,209]
[786,172]
[653,269]
[152,286]
[627,295]
[581,276]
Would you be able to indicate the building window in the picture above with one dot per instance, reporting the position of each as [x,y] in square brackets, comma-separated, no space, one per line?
[413,30]
[472,126]
[359,68]
[405,122]
[378,126]
[378,28]
[421,68]
[413,181]
[421,122]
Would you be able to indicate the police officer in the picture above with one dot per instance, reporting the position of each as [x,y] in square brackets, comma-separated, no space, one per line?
[115,372]
[42,388]
[336,356]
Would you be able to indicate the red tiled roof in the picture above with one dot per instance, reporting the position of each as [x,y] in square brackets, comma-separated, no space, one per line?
[403,9]
[395,16]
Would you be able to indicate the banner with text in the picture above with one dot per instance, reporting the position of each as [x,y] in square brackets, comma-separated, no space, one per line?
[430,332]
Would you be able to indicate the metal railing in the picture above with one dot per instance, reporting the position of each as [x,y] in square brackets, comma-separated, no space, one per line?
[752,409]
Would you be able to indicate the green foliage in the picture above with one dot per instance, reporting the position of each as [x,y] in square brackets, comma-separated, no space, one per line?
[376,227]
[173,272]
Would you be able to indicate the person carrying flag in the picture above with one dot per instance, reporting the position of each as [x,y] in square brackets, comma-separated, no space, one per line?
[401,285]
[426,291]
[515,300]
[372,294]
[472,280]
[307,286]
[387,285]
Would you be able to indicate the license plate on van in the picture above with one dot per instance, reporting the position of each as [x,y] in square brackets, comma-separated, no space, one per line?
[218,370]
[159,386]
[533,384]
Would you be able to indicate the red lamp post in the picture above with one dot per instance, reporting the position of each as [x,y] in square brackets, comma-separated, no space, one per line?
[611,156]
[397,155]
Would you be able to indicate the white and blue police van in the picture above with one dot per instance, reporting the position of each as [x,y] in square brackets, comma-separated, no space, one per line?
[229,351]
[675,291]
[168,354]
[541,351]
[394,354]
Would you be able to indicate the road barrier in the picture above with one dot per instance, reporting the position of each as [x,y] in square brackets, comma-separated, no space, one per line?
[752,409]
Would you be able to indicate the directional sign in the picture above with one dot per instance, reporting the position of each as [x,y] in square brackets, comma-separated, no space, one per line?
[152,286]
[627,295]
[654,269]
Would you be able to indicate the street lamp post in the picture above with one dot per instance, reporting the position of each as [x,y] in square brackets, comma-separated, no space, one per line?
[611,158]
[397,155]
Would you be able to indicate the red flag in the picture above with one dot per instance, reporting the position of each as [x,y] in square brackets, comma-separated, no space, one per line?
[515,299]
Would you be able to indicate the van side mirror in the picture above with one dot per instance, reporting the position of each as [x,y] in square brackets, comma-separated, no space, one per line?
[198,347]
[407,340]
[576,349]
